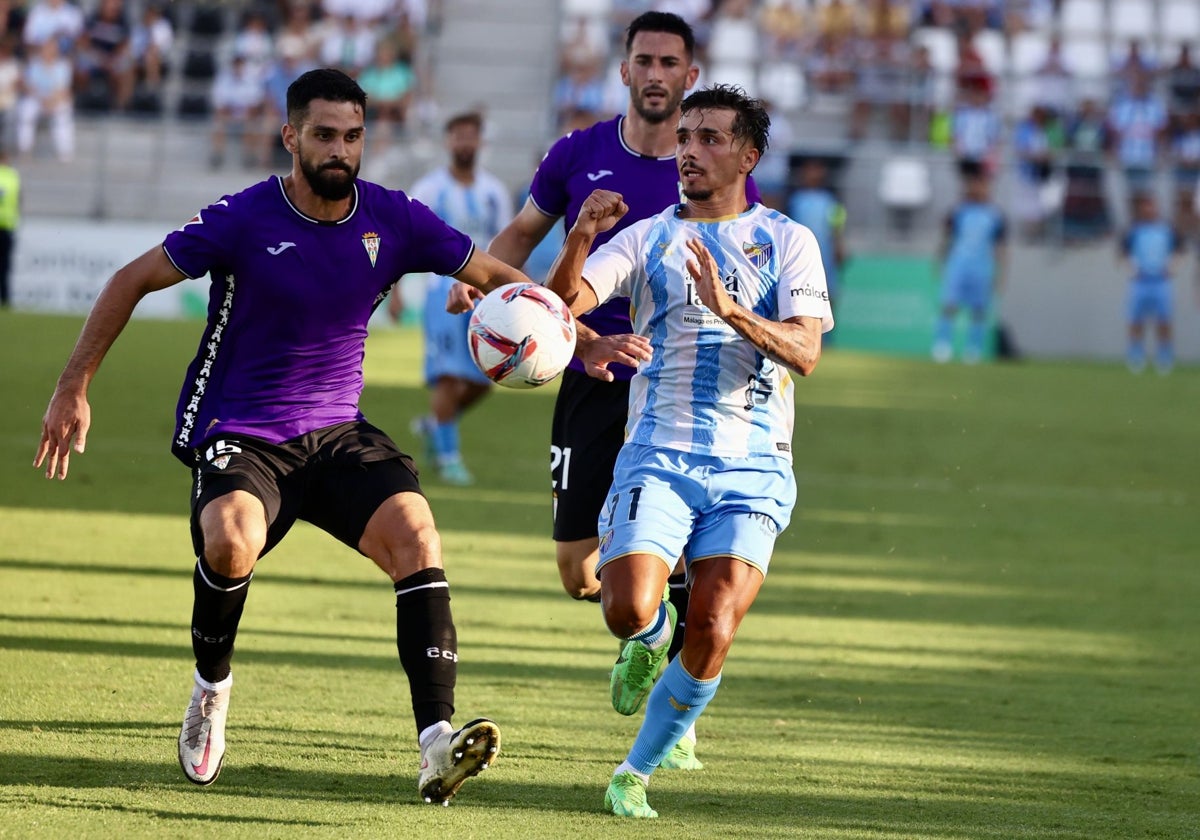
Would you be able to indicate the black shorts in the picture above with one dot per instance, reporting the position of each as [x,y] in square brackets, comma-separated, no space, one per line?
[586,435]
[335,478]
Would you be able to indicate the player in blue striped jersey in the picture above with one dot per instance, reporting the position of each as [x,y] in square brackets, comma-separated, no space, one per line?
[732,298]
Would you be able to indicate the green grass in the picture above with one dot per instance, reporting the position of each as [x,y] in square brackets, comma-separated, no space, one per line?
[982,623]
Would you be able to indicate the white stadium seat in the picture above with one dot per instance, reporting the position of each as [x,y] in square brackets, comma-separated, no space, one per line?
[1028,51]
[905,184]
[1082,17]
[943,51]
[587,8]
[782,83]
[739,73]
[990,45]
[1132,19]
[1180,20]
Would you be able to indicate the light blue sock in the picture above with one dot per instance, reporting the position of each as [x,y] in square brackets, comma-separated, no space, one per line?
[676,702]
[1136,353]
[1165,356]
[445,441]
[976,333]
[944,333]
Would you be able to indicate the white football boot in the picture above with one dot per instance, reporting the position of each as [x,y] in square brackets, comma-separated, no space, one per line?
[450,758]
[202,738]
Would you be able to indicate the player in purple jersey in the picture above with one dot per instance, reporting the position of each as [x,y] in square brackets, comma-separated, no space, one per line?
[268,418]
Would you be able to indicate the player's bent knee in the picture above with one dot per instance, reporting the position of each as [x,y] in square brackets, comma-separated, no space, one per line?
[626,619]
[232,552]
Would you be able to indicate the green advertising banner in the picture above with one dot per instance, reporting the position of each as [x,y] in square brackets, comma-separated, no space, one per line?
[889,304]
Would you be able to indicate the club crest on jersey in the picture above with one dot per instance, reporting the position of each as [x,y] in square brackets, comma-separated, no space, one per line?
[759,253]
[371,243]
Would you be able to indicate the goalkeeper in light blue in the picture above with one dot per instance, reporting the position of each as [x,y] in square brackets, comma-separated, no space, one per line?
[731,298]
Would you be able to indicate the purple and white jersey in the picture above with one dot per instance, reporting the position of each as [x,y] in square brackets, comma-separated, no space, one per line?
[289,304]
[594,158]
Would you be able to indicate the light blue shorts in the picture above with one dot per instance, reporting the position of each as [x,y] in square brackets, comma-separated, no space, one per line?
[1150,299]
[670,503]
[966,287]
[446,351]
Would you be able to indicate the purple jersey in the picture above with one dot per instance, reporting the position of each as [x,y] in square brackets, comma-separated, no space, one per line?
[289,304]
[598,158]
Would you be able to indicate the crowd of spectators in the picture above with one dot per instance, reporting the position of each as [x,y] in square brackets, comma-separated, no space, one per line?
[61,57]
[1015,86]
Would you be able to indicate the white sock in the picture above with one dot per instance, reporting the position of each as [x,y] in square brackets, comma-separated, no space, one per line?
[691,733]
[626,767]
[431,732]
[211,686]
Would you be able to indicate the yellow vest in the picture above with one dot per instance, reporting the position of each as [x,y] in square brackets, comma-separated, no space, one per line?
[10,198]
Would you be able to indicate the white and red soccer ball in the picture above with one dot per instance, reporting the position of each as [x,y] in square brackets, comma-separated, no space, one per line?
[522,335]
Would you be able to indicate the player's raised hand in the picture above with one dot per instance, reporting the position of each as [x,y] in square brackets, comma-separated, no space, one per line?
[68,416]
[597,352]
[707,277]
[600,211]
[461,298]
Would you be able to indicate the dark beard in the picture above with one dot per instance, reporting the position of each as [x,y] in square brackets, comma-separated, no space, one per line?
[656,117]
[697,195]
[330,182]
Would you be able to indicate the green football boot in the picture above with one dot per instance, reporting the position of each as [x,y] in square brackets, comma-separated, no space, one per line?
[626,797]
[682,756]
[635,671]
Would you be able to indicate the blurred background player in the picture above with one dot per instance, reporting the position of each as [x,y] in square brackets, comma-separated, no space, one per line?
[474,201]
[10,218]
[1151,250]
[815,206]
[972,267]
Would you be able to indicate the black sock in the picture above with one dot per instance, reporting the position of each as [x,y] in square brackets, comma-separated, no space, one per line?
[678,597]
[428,645]
[216,611]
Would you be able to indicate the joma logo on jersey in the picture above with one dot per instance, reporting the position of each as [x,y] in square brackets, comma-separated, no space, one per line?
[371,243]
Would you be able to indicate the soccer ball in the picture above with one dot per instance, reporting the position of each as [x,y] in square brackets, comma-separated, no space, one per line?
[521,335]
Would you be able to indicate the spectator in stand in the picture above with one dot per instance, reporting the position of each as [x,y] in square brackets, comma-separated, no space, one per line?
[389,82]
[57,19]
[837,19]
[885,17]
[1138,122]
[10,88]
[580,88]
[1085,205]
[1053,82]
[1136,67]
[238,98]
[254,43]
[921,94]
[298,38]
[975,131]
[1037,140]
[12,20]
[787,30]
[1183,84]
[1185,166]
[347,43]
[291,63]
[103,54]
[150,43]
[883,71]
[47,92]
[830,67]
[972,76]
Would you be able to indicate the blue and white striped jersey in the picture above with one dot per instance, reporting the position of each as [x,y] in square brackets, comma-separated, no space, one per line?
[480,210]
[707,390]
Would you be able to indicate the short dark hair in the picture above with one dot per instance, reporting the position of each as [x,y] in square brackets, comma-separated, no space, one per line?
[323,83]
[473,118]
[751,121]
[661,22]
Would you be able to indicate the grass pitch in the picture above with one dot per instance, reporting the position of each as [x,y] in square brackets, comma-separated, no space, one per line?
[981,624]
